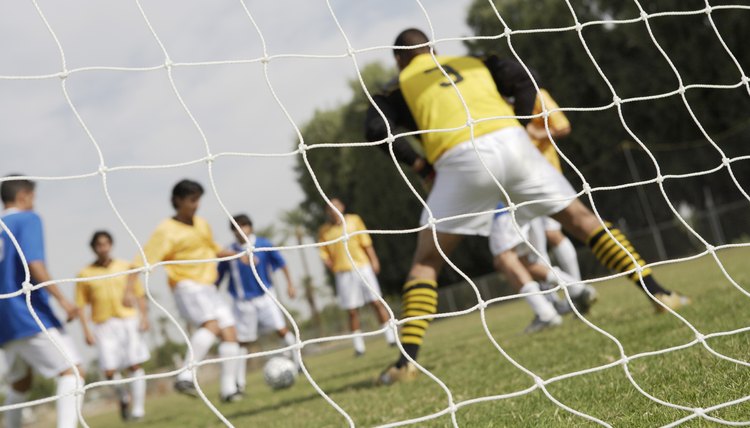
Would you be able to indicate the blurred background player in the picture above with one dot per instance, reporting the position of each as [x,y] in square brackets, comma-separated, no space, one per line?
[351,290]
[427,99]
[25,345]
[559,127]
[116,332]
[188,237]
[536,276]
[254,310]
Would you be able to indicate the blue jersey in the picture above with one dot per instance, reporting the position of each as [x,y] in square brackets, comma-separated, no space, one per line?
[242,282]
[500,206]
[16,321]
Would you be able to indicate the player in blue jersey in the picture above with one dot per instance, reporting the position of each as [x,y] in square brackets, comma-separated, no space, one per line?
[22,339]
[253,309]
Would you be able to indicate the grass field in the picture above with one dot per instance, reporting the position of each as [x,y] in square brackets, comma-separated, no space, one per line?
[459,353]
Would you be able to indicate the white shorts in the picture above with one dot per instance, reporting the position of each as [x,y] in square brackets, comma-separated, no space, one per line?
[503,237]
[352,292]
[199,303]
[260,313]
[40,354]
[120,344]
[463,186]
[551,224]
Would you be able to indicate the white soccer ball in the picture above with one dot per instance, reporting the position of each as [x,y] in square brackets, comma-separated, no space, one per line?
[280,372]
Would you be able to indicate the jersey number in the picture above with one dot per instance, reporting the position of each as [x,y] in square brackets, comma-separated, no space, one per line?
[451,72]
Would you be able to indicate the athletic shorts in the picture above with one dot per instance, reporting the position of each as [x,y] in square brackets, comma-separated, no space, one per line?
[352,292]
[551,224]
[463,185]
[120,344]
[260,313]
[504,237]
[200,303]
[40,354]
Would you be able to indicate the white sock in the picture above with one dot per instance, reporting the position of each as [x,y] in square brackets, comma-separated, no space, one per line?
[138,392]
[67,414]
[122,394]
[567,258]
[574,287]
[241,369]
[290,340]
[228,367]
[359,342]
[13,417]
[539,304]
[201,342]
[390,337]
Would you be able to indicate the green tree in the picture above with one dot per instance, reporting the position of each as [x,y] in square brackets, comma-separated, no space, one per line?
[635,68]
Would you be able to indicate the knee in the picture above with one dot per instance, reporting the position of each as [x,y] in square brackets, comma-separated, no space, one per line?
[22,385]
[109,374]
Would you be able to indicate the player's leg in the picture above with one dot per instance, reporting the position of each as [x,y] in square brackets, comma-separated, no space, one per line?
[350,299]
[111,345]
[39,353]
[579,221]
[229,349]
[17,393]
[246,325]
[582,295]
[371,293]
[136,354]
[356,329]
[562,248]
[270,317]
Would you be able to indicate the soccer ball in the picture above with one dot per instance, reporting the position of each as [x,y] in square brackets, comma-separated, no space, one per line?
[280,372]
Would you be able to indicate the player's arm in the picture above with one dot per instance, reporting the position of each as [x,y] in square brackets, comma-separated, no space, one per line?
[278,262]
[325,252]
[82,301]
[143,312]
[374,261]
[513,81]
[397,115]
[40,274]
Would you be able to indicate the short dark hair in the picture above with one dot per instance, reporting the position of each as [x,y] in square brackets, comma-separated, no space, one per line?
[9,189]
[242,220]
[98,234]
[411,37]
[185,188]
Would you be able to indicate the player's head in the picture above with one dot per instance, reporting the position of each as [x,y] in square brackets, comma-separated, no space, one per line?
[332,214]
[17,193]
[101,243]
[410,37]
[185,197]
[244,222]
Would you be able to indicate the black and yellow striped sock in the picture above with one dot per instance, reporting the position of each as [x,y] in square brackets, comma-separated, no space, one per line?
[611,256]
[419,298]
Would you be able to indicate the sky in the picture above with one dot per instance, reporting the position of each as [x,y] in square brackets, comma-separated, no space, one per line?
[136,118]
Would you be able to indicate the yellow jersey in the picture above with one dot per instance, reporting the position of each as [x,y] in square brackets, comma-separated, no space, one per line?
[435,104]
[556,121]
[106,295]
[175,240]
[336,252]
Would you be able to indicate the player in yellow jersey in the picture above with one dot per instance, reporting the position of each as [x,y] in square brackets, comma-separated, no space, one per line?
[467,129]
[116,332]
[351,289]
[187,237]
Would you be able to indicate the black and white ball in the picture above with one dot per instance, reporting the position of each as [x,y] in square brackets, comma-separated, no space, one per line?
[280,372]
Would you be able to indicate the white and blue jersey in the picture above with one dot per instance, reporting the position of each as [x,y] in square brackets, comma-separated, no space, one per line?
[242,282]
[16,321]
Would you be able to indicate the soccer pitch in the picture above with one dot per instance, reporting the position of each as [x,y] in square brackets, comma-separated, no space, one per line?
[460,354]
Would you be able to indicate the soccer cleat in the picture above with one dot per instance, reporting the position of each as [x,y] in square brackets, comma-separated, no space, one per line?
[393,374]
[673,301]
[585,299]
[538,325]
[186,387]
[124,409]
[358,354]
[232,398]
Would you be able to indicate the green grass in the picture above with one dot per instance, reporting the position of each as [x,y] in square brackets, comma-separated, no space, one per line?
[460,354]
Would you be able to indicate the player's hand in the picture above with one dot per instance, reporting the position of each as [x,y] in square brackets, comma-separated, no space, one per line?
[291,291]
[536,132]
[72,311]
[90,339]
[245,259]
[144,325]
[129,300]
